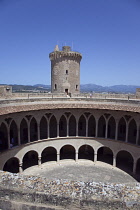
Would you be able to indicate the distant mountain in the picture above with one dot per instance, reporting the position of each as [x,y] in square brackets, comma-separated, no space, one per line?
[110,89]
[84,88]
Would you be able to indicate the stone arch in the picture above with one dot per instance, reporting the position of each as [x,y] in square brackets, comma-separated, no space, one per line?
[132,132]
[33,130]
[67,152]
[82,126]
[105,155]
[124,161]
[30,159]
[72,126]
[91,126]
[23,131]
[86,152]
[13,134]
[12,165]
[3,137]
[111,128]
[49,154]
[122,129]
[62,126]
[43,128]
[53,127]
[101,127]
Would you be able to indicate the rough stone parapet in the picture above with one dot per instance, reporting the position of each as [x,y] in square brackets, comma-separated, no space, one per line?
[68,194]
[31,105]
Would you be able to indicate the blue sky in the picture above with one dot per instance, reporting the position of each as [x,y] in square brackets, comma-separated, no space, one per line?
[106,32]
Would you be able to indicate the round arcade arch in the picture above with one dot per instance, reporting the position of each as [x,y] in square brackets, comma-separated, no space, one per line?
[105,155]
[49,154]
[30,159]
[86,152]
[67,152]
[12,165]
[124,161]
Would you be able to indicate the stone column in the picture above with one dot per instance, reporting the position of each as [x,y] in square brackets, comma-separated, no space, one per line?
[96,129]
[137,135]
[19,137]
[114,160]
[116,131]
[48,129]
[67,128]
[58,157]
[57,130]
[20,168]
[38,131]
[106,129]
[86,128]
[28,132]
[134,167]
[126,139]
[39,161]
[76,156]
[95,157]
[76,128]
[9,138]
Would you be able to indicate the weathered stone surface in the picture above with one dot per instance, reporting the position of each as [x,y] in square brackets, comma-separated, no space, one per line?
[67,194]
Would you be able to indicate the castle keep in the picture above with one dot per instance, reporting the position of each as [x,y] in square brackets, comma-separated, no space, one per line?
[65,71]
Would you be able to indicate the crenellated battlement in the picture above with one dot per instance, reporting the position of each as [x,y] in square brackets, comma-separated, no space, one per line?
[65,54]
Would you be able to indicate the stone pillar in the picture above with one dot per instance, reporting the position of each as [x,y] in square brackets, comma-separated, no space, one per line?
[114,160]
[106,129]
[58,157]
[38,131]
[9,138]
[134,167]
[57,130]
[95,157]
[39,161]
[19,136]
[28,133]
[67,128]
[20,168]
[48,129]
[126,139]
[76,128]
[86,128]
[116,131]
[76,156]
[137,135]
[96,129]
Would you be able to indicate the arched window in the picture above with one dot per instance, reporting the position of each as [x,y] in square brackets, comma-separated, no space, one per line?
[33,130]
[55,87]
[111,128]
[53,127]
[43,128]
[72,126]
[23,132]
[122,129]
[101,127]
[62,127]
[82,126]
[66,71]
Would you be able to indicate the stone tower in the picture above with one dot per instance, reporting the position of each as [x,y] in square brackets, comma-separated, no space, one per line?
[65,70]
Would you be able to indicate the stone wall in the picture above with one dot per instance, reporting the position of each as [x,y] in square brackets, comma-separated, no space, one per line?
[63,194]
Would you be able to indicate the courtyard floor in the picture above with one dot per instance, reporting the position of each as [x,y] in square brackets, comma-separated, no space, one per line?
[82,170]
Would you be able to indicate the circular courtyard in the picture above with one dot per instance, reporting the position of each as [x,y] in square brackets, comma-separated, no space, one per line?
[81,170]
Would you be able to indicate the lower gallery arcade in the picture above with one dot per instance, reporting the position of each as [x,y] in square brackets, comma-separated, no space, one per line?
[35,137]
